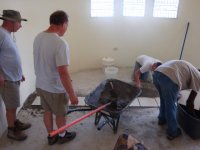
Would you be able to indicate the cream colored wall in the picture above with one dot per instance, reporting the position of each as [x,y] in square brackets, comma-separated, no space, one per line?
[123,38]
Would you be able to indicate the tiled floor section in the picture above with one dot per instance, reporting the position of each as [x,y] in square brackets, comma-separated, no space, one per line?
[84,82]
[138,102]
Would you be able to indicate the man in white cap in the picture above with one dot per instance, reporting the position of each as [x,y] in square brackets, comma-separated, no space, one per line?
[11,73]
[143,66]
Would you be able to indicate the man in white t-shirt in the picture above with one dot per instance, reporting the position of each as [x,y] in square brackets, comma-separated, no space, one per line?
[53,82]
[143,66]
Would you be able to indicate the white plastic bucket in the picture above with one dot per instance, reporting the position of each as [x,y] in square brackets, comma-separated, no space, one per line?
[111,72]
[107,61]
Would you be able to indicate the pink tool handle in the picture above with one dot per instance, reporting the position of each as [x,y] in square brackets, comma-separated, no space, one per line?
[53,133]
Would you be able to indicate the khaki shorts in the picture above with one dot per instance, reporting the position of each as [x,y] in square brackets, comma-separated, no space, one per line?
[56,103]
[10,94]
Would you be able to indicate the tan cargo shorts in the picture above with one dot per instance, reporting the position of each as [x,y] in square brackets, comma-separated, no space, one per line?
[56,103]
[10,94]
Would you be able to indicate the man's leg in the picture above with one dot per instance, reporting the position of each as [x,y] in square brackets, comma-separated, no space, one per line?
[48,121]
[11,98]
[64,136]
[60,121]
[11,117]
[161,116]
[169,91]
[60,110]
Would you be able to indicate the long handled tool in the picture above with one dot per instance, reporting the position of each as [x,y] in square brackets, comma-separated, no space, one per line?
[53,133]
[182,48]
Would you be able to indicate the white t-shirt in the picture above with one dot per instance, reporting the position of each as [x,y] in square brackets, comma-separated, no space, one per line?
[49,51]
[146,62]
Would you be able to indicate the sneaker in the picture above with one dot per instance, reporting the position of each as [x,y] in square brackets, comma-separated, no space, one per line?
[15,134]
[171,137]
[52,140]
[21,126]
[68,137]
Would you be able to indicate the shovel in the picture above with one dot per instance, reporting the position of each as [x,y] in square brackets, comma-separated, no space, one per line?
[114,96]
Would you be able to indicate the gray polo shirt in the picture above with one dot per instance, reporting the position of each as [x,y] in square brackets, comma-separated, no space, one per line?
[181,72]
[10,61]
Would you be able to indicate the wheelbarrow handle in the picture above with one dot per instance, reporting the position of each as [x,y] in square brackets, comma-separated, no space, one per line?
[79,109]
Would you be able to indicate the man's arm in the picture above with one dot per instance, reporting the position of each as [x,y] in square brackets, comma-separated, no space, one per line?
[137,75]
[66,81]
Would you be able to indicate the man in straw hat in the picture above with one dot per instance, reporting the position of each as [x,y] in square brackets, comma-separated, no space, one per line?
[11,73]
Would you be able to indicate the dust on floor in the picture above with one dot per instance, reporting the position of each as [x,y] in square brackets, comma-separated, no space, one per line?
[139,122]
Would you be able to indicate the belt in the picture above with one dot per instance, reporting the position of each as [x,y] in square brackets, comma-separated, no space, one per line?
[11,81]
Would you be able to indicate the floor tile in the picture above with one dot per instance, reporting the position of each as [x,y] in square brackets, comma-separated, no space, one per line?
[158,101]
[81,101]
[135,102]
[36,101]
[146,101]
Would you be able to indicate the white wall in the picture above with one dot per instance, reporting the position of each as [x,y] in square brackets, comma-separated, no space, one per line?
[90,39]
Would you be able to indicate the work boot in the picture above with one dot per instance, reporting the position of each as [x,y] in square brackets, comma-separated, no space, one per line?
[15,134]
[21,126]
[68,137]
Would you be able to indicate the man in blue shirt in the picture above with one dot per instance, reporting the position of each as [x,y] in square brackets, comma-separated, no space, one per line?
[11,73]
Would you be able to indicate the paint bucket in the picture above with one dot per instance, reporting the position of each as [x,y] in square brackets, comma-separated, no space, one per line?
[111,72]
[107,62]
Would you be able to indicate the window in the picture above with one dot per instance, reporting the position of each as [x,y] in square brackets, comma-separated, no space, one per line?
[134,8]
[165,8]
[137,8]
[102,8]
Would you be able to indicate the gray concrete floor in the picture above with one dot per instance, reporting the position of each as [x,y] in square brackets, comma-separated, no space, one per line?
[140,122]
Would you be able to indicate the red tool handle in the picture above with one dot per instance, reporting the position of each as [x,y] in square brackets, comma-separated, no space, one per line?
[53,133]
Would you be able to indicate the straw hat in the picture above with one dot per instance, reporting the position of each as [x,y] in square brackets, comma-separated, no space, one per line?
[12,15]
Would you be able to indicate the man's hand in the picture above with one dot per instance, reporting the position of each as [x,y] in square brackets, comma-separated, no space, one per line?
[74,100]
[137,75]
[23,78]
